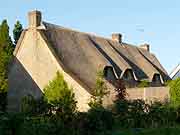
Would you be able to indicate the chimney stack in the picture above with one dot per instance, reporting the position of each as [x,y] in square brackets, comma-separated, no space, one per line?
[117,37]
[145,47]
[34,19]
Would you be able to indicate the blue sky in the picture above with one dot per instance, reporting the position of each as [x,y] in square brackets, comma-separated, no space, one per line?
[156,22]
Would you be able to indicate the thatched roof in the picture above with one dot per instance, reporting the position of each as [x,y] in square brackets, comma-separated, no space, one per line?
[84,54]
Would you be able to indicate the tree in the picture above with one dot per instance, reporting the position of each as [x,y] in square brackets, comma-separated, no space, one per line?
[6,49]
[175,92]
[18,28]
[60,96]
[121,103]
[100,91]
[5,40]
[120,89]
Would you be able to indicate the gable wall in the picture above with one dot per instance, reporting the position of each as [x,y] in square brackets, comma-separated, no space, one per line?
[38,61]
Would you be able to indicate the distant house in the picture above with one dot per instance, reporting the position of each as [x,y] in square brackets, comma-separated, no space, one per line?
[175,73]
[44,48]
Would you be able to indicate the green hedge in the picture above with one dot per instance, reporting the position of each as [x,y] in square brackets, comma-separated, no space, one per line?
[175,92]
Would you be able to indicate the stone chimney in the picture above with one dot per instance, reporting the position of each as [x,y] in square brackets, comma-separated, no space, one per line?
[117,37]
[34,19]
[145,47]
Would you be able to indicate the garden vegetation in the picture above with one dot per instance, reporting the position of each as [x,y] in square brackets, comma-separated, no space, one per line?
[56,113]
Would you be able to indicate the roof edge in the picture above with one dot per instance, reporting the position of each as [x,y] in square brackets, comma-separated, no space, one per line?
[18,45]
[174,71]
[47,24]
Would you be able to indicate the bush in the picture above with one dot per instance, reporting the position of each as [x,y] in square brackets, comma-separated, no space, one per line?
[31,106]
[129,114]
[60,97]
[28,104]
[99,119]
[19,124]
[161,115]
[10,123]
[37,126]
[175,92]
[3,101]
[99,91]
[167,82]
[138,114]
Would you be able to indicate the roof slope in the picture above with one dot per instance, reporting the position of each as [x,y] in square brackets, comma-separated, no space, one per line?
[84,54]
[176,72]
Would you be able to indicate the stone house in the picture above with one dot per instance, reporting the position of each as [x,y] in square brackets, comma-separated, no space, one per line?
[44,48]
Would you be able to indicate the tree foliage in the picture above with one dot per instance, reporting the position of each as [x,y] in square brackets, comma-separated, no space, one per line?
[120,89]
[6,49]
[32,106]
[99,91]
[6,44]
[175,92]
[99,119]
[60,96]
[28,104]
[18,28]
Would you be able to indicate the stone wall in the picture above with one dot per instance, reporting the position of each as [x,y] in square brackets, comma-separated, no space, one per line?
[149,93]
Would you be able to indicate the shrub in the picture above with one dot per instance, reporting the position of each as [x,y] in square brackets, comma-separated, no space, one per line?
[42,107]
[19,124]
[121,107]
[31,106]
[28,105]
[60,97]
[10,123]
[167,82]
[131,113]
[138,113]
[175,92]
[161,115]
[99,91]
[121,114]
[3,101]
[99,119]
[37,126]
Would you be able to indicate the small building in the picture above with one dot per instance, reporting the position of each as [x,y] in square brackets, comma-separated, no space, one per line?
[45,48]
[175,73]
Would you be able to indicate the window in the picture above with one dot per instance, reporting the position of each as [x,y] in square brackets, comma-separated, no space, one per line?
[156,79]
[128,75]
[109,73]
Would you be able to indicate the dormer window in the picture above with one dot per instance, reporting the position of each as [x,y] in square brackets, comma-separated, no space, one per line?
[156,79]
[128,75]
[109,73]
